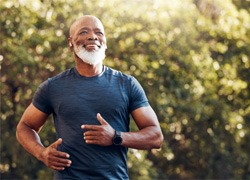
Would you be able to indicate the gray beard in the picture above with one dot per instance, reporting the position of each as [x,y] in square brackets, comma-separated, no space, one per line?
[91,58]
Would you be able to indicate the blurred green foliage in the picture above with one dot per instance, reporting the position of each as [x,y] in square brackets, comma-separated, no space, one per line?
[192,57]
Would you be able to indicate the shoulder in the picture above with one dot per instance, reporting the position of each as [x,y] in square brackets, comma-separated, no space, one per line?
[118,74]
[55,80]
[65,74]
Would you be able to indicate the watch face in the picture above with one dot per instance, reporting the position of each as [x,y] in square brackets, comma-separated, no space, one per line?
[117,140]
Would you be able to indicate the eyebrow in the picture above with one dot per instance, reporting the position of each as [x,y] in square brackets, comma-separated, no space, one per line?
[95,29]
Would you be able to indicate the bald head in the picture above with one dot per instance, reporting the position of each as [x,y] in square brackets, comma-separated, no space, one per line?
[84,19]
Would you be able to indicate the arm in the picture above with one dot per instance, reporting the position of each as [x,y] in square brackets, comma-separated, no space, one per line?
[148,136]
[27,135]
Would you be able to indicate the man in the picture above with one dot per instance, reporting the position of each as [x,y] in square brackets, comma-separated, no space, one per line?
[91,104]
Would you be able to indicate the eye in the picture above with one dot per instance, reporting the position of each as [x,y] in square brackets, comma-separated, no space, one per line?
[83,32]
[99,33]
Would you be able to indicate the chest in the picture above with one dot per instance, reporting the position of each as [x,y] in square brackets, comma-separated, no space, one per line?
[82,100]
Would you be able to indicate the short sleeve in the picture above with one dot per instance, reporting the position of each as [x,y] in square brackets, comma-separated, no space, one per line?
[137,96]
[41,98]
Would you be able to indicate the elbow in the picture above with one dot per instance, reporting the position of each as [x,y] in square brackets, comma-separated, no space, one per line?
[21,130]
[156,141]
[18,132]
[159,141]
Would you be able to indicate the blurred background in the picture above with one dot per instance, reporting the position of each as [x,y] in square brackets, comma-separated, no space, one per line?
[191,56]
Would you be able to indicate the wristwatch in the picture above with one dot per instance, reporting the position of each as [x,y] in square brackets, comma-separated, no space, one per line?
[117,140]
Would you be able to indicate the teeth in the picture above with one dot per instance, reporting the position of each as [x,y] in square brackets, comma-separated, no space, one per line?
[91,46]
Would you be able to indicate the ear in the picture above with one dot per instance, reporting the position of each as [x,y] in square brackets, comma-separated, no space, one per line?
[70,42]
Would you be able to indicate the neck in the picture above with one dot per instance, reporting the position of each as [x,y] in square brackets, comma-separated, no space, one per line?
[88,70]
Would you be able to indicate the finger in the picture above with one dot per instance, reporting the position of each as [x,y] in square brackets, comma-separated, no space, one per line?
[56,153]
[90,127]
[92,142]
[100,119]
[60,162]
[57,168]
[90,138]
[59,165]
[61,154]
[91,133]
[56,143]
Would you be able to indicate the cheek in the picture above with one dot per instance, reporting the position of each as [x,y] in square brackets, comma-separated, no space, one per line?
[103,41]
[78,41]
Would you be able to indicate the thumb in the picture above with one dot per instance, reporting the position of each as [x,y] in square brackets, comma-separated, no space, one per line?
[100,119]
[56,143]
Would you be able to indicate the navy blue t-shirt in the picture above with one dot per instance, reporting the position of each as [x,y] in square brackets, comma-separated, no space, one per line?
[75,100]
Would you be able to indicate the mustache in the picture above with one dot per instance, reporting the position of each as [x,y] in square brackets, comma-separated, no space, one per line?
[84,48]
[92,42]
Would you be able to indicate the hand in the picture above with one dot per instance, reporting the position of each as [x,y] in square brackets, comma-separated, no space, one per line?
[99,134]
[55,159]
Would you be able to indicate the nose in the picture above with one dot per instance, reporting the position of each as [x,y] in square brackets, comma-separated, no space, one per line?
[92,36]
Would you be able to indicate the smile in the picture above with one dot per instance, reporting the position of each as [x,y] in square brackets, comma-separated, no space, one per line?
[91,46]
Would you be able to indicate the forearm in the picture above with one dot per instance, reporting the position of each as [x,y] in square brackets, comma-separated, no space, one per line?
[147,138]
[30,140]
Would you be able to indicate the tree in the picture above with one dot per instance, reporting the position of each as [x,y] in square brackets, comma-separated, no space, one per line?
[193,65]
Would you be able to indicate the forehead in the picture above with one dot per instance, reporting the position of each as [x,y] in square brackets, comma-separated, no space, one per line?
[88,22]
